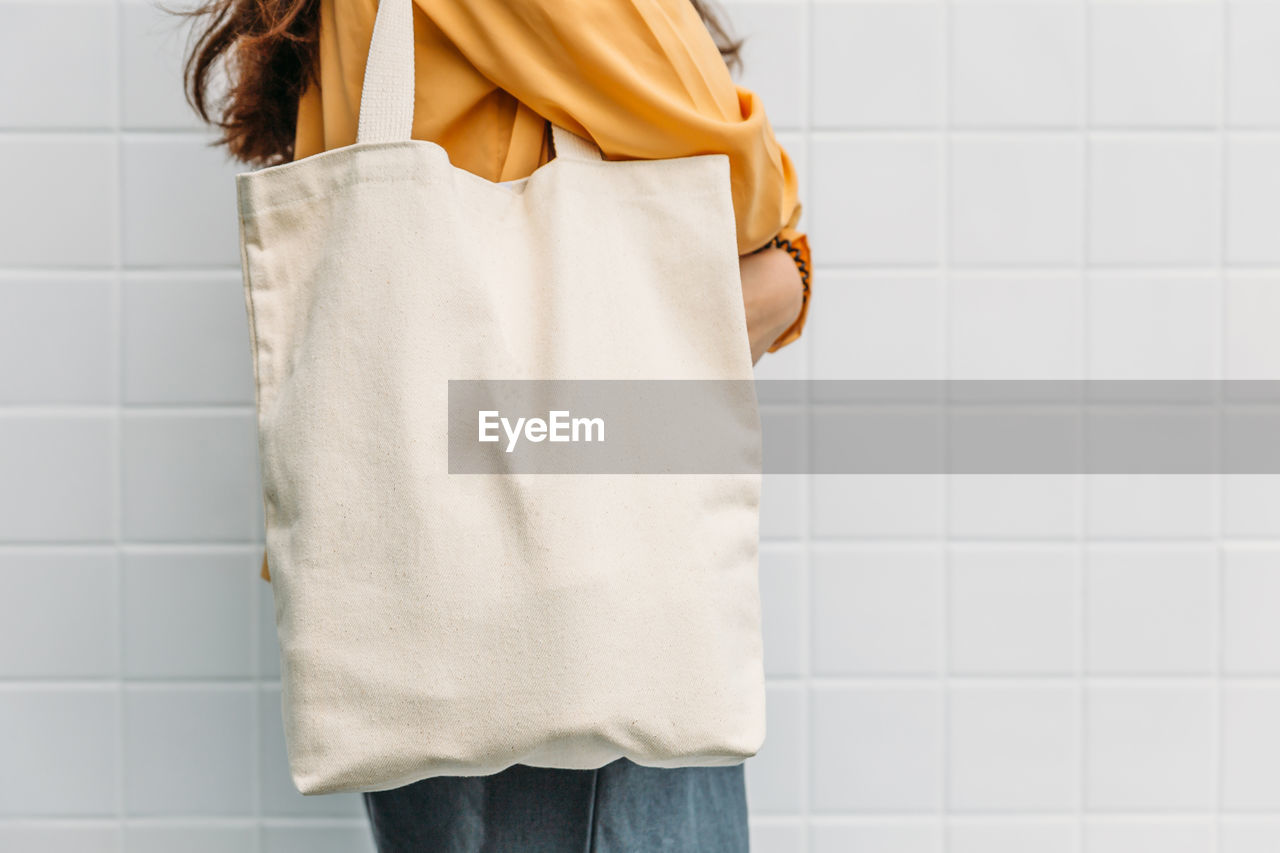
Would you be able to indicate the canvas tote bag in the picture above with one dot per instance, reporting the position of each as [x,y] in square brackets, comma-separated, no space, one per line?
[435,624]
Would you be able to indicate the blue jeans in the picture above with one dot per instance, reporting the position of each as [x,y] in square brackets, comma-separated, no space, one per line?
[622,807]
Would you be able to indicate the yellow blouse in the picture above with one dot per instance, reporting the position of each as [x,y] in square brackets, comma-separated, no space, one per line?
[642,78]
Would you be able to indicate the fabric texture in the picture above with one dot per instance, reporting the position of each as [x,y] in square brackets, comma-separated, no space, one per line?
[455,625]
[641,80]
[622,807]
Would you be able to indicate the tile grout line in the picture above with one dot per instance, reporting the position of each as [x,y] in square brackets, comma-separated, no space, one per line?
[1261,269]
[117,307]
[1219,590]
[948,12]
[1083,480]
[921,679]
[805,578]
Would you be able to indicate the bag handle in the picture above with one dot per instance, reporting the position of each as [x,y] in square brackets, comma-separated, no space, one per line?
[386,95]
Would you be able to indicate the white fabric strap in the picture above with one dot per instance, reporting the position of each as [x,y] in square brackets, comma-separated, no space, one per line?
[386,96]
[571,146]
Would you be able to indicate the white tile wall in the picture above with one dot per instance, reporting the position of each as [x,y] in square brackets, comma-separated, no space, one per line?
[881,748]
[1016,64]
[1251,598]
[1249,835]
[67,185]
[1150,747]
[206,733]
[193,838]
[84,91]
[1156,65]
[1014,609]
[876,610]
[87,836]
[57,322]
[984,835]
[1016,202]
[978,664]
[1013,748]
[1154,200]
[61,749]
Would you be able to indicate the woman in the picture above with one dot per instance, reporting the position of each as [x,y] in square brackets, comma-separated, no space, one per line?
[644,79]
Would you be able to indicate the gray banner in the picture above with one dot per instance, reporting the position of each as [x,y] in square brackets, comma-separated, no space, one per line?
[864,427]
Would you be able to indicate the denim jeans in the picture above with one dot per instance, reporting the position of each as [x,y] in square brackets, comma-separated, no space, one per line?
[622,807]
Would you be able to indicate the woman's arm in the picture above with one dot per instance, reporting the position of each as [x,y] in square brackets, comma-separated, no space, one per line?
[772,294]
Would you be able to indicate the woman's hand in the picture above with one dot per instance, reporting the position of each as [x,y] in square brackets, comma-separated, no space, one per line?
[772,293]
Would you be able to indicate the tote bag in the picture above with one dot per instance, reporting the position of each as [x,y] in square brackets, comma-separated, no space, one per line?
[449,624]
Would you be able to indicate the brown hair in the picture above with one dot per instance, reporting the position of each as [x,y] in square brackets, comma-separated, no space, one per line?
[269,47]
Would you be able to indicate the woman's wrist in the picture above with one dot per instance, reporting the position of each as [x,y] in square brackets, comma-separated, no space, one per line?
[796,246]
[797,257]
[773,296]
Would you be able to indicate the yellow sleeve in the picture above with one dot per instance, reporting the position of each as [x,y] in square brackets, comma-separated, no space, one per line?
[644,80]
